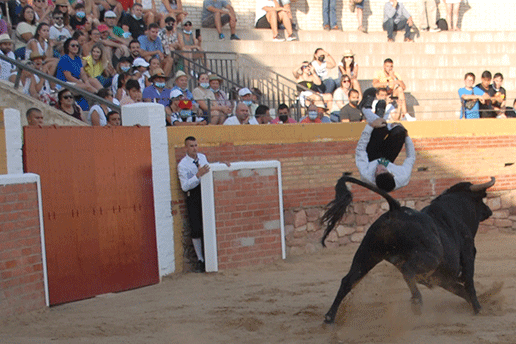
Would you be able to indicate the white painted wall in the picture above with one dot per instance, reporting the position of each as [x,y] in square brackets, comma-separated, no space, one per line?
[13,141]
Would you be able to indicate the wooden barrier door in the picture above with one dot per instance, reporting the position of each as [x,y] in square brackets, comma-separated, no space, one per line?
[96,186]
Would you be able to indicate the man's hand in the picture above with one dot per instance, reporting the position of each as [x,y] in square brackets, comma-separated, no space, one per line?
[202,171]
[410,22]
[379,123]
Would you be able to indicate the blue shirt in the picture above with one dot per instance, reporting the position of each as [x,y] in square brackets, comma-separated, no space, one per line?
[67,64]
[147,45]
[473,113]
[155,96]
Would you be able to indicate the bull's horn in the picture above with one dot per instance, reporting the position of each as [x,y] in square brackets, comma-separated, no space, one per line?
[484,186]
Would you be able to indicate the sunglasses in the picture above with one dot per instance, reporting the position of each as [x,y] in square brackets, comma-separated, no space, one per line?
[68,97]
[74,45]
[346,81]
[58,18]
[188,25]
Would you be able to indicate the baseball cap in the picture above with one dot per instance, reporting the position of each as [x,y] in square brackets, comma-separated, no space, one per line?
[175,94]
[244,91]
[140,62]
[110,14]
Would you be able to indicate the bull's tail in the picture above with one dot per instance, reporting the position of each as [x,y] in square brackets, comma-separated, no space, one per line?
[335,209]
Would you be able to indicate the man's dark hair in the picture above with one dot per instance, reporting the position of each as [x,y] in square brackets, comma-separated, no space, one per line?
[130,84]
[379,89]
[261,110]
[136,4]
[486,75]
[111,113]
[79,5]
[134,41]
[170,20]
[190,138]
[385,181]
[388,60]
[283,106]
[352,91]
[103,92]
[498,75]
[153,26]
[469,74]
[31,111]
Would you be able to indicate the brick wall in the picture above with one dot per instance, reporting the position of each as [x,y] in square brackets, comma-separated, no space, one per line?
[21,267]
[247,217]
[308,14]
[313,157]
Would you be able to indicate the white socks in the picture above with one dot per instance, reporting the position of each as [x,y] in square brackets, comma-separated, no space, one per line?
[197,244]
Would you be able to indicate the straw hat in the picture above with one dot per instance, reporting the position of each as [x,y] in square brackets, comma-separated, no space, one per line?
[179,74]
[157,73]
[348,52]
[61,3]
[4,38]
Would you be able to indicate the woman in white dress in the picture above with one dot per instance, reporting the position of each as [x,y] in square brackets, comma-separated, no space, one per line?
[452,14]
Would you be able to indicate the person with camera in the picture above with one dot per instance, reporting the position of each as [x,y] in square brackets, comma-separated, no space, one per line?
[307,78]
[322,63]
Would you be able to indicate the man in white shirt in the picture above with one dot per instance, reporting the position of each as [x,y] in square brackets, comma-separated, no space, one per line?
[378,148]
[6,46]
[241,116]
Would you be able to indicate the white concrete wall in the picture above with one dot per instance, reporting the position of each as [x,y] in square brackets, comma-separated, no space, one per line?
[13,141]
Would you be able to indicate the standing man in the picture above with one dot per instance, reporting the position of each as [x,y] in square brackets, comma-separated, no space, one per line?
[389,79]
[190,170]
[330,15]
[428,15]
[470,98]
[396,18]
[217,13]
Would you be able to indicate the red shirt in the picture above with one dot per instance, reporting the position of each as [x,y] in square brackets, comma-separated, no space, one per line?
[307,120]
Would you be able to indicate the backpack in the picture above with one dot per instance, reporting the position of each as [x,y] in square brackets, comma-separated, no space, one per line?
[442,24]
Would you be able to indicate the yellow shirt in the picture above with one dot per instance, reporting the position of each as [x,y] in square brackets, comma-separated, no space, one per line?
[382,77]
[93,70]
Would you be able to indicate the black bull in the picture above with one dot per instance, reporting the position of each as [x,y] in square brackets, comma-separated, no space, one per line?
[434,246]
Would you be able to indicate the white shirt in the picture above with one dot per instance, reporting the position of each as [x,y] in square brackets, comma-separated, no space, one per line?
[100,111]
[320,69]
[6,69]
[371,116]
[260,12]
[59,35]
[187,169]
[233,120]
[367,168]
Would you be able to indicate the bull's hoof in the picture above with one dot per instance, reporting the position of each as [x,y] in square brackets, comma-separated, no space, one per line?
[416,306]
[328,319]
[476,309]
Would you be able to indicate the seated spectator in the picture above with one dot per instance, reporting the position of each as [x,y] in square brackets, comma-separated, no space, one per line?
[470,97]
[486,108]
[70,68]
[34,117]
[340,97]
[322,63]
[150,14]
[98,113]
[202,95]
[85,43]
[115,34]
[396,18]
[389,79]
[6,69]
[348,66]
[380,106]
[98,66]
[172,8]
[169,38]
[269,14]
[241,116]
[305,76]
[141,72]
[120,89]
[322,112]
[45,90]
[25,30]
[42,11]
[246,97]
[157,92]
[313,115]
[15,8]
[217,13]
[58,33]
[134,50]
[262,114]
[27,82]
[115,47]
[134,22]
[283,115]
[93,38]
[179,111]
[4,27]
[123,66]
[189,42]
[79,21]
[181,84]
[67,104]
[220,96]
[498,95]
[150,46]
[111,6]
[133,93]
[350,112]
[113,119]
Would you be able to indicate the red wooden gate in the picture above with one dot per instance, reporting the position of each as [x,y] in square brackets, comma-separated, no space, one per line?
[96,185]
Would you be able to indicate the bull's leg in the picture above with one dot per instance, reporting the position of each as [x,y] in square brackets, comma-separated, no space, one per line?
[468,271]
[417,299]
[363,262]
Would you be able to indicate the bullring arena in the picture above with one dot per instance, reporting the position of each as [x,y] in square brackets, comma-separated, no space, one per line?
[94,242]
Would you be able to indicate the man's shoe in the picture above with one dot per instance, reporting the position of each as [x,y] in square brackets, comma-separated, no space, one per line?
[380,108]
[435,29]
[234,37]
[390,40]
[277,39]
[409,118]
[326,27]
[336,27]
[409,40]
[291,38]
[221,36]
[200,267]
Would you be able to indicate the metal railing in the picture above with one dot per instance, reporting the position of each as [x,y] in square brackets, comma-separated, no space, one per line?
[87,95]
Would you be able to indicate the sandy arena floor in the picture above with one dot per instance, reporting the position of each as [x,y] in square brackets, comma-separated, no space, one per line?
[285,303]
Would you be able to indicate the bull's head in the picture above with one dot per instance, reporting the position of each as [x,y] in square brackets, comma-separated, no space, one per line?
[483,211]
